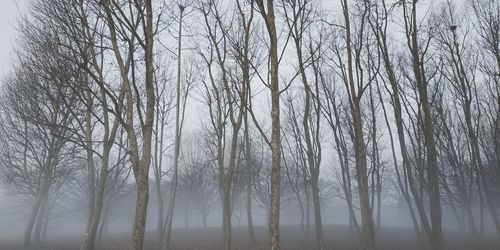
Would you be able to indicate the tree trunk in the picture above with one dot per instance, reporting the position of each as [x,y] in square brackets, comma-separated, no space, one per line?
[160,223]
[91,231]
[367,229]
[308,206]
[141,208]
[31,221]
[274,220]
[226,218]
[171,206]
[103,223]
[88,240]
[249,177]
[317,213]
[45,226]
[251,232]
[37,239]
[429,141]
[141,168]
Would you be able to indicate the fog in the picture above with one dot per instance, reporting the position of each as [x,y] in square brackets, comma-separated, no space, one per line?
[68,219]
[249,124]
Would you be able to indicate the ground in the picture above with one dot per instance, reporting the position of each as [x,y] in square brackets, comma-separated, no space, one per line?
[336,237]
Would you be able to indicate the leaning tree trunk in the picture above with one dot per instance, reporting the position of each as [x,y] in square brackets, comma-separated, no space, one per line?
[34,212]
[429,141]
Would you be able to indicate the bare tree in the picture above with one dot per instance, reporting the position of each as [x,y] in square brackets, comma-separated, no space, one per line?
[199,178]
[422,77]
[181,100]
[266,9]
[486,15]
[135,27]
[226,102]
[164,106]
[300,16]
[356,82]
[35,153]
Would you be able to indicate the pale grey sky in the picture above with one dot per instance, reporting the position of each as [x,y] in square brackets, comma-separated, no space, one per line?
[8,13]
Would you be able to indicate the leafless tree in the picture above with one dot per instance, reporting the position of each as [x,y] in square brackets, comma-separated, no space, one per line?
[135,27]
[266,10]
[300,17]
[226,107]
[35,146]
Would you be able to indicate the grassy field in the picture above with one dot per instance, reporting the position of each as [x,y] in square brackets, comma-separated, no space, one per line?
[292,237]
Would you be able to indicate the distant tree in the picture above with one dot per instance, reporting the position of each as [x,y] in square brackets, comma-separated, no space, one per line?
[226,97]
[36,153]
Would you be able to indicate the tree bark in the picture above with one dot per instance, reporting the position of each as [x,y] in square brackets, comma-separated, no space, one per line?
[428,127]
[367,228]
[171,206]
[141,170]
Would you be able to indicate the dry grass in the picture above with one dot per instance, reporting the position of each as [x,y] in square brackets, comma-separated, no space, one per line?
[292,237]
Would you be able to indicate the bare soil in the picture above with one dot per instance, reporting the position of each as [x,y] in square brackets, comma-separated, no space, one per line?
[292,237]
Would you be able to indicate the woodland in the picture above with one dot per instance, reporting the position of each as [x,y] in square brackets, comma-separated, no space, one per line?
[252,124]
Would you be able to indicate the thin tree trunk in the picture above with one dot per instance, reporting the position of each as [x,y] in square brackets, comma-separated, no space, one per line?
[88,240]
[170,212]
[308,206]
[159,162]
[396,103]
[249,177]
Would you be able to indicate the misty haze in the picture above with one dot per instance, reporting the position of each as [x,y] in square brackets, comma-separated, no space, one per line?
[249,124]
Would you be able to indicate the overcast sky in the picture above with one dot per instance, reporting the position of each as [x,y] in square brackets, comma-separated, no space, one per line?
[8,13]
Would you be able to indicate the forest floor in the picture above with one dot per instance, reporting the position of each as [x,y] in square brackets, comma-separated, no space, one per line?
[292,237]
